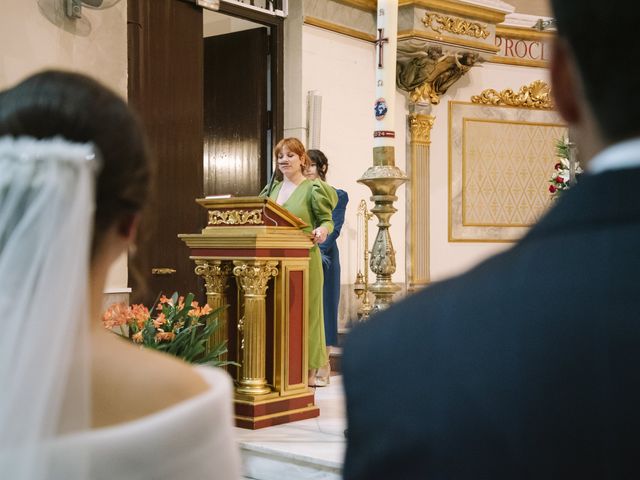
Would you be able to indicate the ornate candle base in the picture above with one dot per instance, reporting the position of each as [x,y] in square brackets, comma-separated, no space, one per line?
[383,179]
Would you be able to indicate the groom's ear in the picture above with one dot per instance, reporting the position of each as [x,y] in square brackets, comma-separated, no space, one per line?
[565,83]
[128,226]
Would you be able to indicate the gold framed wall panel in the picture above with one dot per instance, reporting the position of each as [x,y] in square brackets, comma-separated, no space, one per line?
[500,161]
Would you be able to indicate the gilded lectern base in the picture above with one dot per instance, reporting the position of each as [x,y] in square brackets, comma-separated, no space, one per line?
[254,258]
[275,411]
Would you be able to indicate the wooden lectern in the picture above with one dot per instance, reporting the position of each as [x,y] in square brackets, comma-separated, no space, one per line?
[254,257]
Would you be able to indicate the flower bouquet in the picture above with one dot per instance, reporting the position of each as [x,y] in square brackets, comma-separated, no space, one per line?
[562,171]
[180,327]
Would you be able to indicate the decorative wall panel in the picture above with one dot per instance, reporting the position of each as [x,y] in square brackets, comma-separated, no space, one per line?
[500,162]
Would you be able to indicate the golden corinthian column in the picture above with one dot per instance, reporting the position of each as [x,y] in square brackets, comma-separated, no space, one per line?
[216,275]
[253,276]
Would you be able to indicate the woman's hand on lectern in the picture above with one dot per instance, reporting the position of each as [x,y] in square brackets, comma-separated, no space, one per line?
[320,235]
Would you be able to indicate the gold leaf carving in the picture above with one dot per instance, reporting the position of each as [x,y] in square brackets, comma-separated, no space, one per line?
[535,95]
[215,275]
[420,126]
[253,277]
[235,217]
[458,26]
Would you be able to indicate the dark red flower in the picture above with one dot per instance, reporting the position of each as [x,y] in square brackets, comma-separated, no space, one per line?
[558,166]
[552,189]
[559,179]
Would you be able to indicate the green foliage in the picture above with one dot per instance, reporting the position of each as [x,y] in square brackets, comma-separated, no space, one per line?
[180,328]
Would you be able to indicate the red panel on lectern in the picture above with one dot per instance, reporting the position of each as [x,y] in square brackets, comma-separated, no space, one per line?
[296,316]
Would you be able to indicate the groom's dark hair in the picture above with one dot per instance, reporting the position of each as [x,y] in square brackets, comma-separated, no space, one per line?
[604,39]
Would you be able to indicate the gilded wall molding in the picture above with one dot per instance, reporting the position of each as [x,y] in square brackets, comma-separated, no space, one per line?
[334,27]
[366,5]
[235,217]
[523,33]
[455,7]
[455,41]
[536,95]
[457,26]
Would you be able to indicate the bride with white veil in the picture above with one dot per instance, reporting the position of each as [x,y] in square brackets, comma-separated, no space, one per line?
[77,402]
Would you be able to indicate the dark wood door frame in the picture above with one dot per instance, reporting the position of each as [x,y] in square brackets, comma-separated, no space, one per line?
[153,33]
[276,52]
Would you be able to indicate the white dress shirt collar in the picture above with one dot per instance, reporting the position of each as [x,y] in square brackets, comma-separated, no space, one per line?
[625,154]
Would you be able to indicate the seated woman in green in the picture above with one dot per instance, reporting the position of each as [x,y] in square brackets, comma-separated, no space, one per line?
[312,201]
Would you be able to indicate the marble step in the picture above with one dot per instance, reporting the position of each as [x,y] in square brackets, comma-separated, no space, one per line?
[310,449]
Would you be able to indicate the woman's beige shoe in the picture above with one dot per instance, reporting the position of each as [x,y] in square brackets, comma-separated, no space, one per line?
[312,377]
[323,376]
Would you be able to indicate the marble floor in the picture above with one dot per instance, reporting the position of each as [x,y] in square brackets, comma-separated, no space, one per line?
[308,449]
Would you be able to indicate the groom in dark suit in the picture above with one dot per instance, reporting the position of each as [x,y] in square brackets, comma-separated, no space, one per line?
[527,366]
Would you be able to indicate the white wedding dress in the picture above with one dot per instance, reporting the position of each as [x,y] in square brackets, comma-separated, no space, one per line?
[192,440]
[46,215]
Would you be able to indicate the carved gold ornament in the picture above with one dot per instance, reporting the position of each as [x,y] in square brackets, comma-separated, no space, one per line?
[235,217]
[254,277]
[215,274]
[458,26]
[535,95]
[420,126]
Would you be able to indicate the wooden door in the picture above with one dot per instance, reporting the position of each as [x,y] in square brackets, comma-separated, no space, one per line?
[236,112]
[166,88]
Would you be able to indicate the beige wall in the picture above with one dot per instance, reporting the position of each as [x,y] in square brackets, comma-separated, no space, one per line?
[95,45]
[342,69]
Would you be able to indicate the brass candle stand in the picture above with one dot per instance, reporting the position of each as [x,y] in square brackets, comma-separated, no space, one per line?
[361,286]
[383,178]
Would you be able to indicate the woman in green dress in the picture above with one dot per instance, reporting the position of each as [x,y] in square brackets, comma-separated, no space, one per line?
[313,202]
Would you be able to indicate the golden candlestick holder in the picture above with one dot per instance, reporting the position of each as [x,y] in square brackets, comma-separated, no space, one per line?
[361,285]
[383,179]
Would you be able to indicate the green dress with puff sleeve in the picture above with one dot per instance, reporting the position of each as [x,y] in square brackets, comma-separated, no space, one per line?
[313,202]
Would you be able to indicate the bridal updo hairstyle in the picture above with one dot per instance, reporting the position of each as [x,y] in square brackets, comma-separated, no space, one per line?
[79,109]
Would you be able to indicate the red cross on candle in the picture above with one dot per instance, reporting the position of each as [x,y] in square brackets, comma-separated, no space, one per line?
[380,44]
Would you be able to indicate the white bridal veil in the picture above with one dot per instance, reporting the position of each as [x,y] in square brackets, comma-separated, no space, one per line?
[46,217]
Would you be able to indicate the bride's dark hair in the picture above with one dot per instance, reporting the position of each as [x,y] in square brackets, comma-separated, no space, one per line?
[70,105]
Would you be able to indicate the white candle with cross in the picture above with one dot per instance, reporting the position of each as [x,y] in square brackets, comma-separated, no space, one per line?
[386,47]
